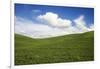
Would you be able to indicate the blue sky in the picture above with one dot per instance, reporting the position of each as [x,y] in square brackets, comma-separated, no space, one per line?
[83,18]
[26,11]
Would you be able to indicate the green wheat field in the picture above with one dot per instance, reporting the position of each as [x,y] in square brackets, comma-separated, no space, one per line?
[68,48]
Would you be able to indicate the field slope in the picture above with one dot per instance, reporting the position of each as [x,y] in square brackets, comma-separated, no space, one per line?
[68,48]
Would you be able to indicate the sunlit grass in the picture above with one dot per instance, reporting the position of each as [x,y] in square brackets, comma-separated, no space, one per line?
[69,48]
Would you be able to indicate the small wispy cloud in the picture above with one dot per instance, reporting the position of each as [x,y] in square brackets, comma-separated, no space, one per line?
[81,24]
[36,11]
[50,25]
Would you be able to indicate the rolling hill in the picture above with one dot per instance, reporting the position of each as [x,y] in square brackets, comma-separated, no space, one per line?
[68,48]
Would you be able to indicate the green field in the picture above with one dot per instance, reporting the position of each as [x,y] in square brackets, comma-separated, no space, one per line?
[68,48]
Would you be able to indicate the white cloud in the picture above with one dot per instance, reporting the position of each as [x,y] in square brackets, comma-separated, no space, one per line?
[31,29]
[54,20]
[91,28]
[50,25]
[81,24]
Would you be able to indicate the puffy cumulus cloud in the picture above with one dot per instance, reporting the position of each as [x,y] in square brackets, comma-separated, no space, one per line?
[36,30]
[50,25]
[54,20]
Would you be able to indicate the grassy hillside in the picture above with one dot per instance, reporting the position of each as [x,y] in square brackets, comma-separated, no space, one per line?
[69,48]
